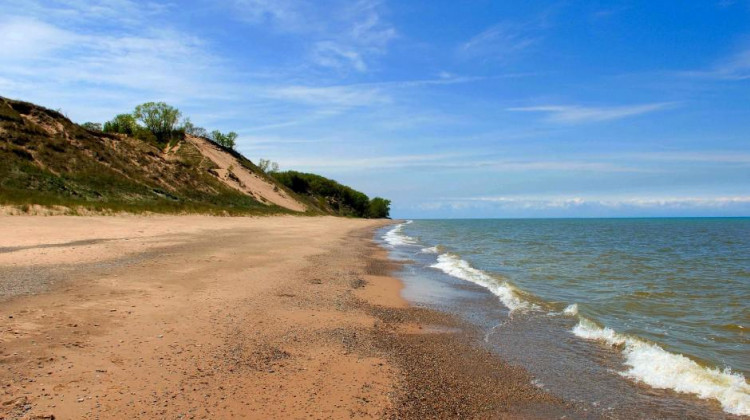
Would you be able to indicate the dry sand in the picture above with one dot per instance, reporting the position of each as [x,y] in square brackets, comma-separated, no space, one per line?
[231,172]
[209,317]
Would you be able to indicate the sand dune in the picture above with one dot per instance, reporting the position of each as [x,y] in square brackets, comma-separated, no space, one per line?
[233,174]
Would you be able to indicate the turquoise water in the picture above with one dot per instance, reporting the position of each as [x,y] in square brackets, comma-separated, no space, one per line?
[673,295]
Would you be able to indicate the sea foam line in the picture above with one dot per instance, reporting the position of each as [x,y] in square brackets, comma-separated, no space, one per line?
[656,367]
[456,267]
[395,237]
[431,250]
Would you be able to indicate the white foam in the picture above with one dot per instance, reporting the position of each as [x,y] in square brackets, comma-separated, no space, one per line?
[571,310]
[394,236]
[659,368]
[456,267]
[431,250]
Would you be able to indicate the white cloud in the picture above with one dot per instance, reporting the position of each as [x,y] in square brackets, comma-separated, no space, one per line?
[57,62]
[339,34]
[157,61]
[356,95]
[563,166]
[567,203]
[23,38]
[581,114]
[111,13]
[736,67]
[379,162]
[499,42]
[457,161]
[336,96]
[703,156]
[330,54]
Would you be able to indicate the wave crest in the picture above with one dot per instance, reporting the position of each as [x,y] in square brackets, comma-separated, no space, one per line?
[432,250]
[656,367]
[456,267]
[395,237]
[571,310]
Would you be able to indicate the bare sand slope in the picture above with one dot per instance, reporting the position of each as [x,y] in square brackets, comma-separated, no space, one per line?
[233,174]
[207,317]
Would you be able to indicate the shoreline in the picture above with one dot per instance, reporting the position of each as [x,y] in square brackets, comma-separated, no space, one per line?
[544,337]
[198,316]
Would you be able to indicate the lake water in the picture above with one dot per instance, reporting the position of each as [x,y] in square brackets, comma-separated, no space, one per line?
[628,317]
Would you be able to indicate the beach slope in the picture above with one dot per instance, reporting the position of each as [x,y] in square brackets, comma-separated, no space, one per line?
[219,317]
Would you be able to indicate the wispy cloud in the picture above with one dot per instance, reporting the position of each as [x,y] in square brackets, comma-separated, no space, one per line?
[374,162]
[551,165]
[159,61]
[24,38]
[340,35]
[113,67]
[333,96]
[358,94]
[112,13]
[334,55]
[582,114]
[578,203]
[735,67]
[460,160]
[499,42]
[703,156]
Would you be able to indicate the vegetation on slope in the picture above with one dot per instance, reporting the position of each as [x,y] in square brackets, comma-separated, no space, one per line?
[46,159]
[139,162]
[332,196]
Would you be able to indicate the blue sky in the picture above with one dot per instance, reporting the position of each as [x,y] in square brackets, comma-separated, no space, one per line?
[449,108]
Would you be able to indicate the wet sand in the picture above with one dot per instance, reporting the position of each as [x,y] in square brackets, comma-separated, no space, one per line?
[208,317]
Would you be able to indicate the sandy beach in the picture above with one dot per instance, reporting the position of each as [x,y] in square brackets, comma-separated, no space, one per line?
[218,317]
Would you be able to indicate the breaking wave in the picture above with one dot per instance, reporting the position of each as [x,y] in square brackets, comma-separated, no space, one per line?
[395,237]
[431,250]
[456,267]
[656,367]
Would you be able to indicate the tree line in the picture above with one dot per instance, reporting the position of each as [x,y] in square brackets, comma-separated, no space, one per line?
[159,123]
[344,200]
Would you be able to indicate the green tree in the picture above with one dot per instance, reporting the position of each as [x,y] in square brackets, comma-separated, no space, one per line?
[379,208]
[159,118]
[268,166]
[228,140]
[121,124]
[192,129]
[92,126]
[342,199]
[231,140]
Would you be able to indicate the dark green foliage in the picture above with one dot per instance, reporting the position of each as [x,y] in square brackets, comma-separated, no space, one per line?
[228,140]
[159,121]
[268,166]
[121,124]
[7,113]
[338,198]
[379,208]
[159,118]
